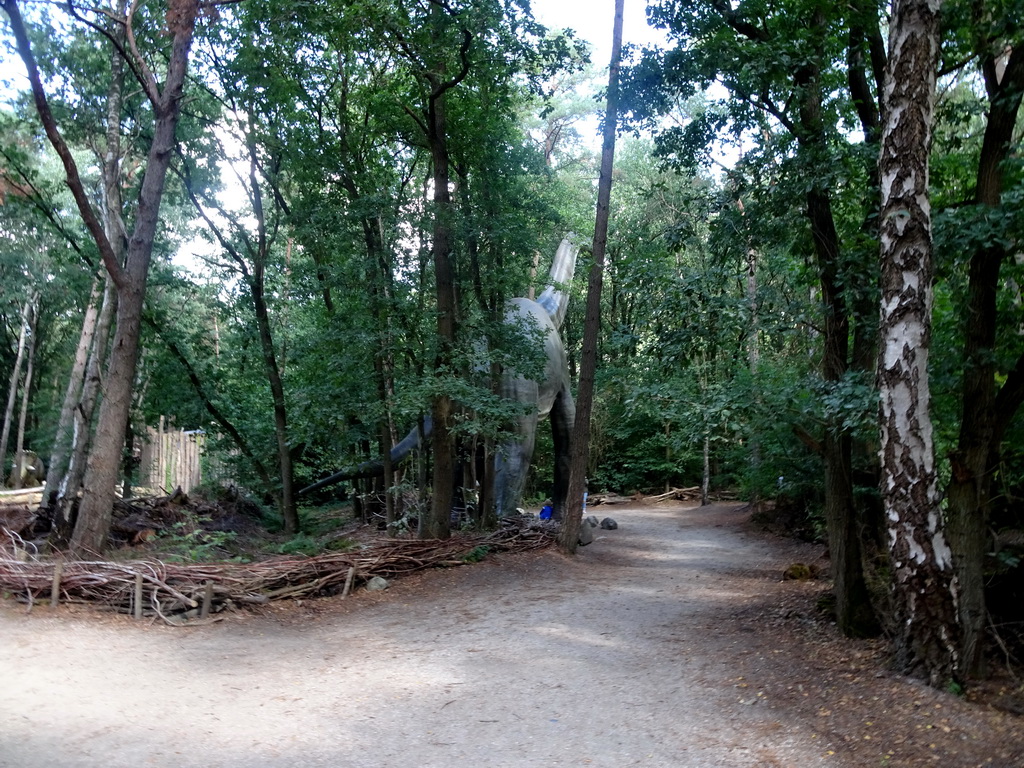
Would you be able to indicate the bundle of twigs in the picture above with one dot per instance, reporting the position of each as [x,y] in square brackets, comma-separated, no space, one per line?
[180,592]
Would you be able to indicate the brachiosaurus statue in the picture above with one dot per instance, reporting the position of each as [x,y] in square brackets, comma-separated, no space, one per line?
[549,394]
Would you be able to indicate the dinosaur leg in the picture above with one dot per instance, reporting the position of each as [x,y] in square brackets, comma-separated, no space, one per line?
[512,460]
[563,417]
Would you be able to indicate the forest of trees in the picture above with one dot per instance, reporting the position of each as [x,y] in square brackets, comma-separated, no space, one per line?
[291,224]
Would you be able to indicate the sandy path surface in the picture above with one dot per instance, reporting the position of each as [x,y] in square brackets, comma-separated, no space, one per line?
[616,658]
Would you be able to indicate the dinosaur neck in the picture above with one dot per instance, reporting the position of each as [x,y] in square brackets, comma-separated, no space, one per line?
[555,297]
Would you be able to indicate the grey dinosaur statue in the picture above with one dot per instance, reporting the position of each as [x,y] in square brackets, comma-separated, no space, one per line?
[548,395]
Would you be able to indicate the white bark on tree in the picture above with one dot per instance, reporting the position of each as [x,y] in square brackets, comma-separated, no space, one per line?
[26,389]
[924,587]
[62,440]
[12,388]
[82,415]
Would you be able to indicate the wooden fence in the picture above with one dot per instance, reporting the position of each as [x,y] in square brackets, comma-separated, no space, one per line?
[171,458]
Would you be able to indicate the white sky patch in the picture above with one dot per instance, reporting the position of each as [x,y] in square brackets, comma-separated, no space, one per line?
[593,20]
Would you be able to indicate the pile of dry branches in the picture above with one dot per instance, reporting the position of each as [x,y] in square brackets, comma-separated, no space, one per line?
[177,593]
[678,494]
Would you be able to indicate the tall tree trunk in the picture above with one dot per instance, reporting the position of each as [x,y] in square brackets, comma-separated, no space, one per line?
[257,287]
[866,65]
[924,586]
[854,614]
[753,337]
[705,477]
[62,440]
[100,482]
[438,523]
[67,481]
[12,387]
[983,412]
[26,390]
[568,537]
[82,421]
[288,509]
[94,516]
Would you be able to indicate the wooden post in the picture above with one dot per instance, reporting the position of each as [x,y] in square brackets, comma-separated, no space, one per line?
[348,582]
[207,599]
[138,596]
[58,571]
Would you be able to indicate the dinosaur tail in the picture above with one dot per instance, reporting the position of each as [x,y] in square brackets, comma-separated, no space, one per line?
[555,297]
[375,468]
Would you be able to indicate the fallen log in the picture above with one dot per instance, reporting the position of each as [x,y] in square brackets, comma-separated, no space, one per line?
[678,494]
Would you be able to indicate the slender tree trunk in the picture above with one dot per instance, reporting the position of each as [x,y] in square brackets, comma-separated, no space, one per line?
[256,280]
[438,523]
[113,228]
[82,420]
[753,339]
[854,614]
[62,441]
[924,586]
[568,538]
[983,412]
[26,390]
[705,478]
[12,387]
[288,509]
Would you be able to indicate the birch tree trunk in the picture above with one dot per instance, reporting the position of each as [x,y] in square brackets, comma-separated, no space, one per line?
[62,440]
[82,420]
[12,387]
[26,389]
[924,587]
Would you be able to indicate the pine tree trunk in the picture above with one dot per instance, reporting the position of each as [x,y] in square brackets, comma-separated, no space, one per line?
[572,518]
[437,524]
[926,643]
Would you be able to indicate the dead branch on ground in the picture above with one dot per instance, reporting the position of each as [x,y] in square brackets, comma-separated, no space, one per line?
[175,592]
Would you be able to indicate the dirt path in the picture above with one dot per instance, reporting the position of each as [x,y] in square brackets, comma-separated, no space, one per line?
[669,642]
